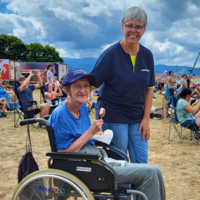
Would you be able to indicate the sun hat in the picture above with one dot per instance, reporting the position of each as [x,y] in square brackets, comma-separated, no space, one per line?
[74,75]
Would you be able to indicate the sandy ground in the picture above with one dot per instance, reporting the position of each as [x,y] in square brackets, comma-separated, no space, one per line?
[178,161]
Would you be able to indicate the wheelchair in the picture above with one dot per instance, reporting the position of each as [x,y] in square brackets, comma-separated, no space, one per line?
[74,176]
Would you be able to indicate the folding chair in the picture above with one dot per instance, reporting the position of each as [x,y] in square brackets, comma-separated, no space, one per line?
[19,113]
[180,130]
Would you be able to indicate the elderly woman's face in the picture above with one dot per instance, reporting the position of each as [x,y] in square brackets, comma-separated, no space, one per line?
[133,35]
[80,90]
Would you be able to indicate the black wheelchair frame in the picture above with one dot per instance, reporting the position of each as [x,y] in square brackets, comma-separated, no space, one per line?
[96,174]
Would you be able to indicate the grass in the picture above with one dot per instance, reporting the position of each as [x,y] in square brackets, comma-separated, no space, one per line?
[178,161]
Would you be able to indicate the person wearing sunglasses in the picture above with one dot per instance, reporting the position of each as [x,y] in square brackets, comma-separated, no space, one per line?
[125,72]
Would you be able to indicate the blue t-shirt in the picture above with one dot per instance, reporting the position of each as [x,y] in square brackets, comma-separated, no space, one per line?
[122,89]
[25,96]
[67,128]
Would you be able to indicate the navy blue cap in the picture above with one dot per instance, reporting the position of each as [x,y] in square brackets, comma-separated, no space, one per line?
[76,74]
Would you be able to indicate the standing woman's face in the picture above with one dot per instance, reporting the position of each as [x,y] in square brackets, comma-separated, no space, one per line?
[133,30]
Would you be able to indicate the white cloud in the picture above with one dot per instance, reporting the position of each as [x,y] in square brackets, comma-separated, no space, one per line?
[83,28]
[22,27]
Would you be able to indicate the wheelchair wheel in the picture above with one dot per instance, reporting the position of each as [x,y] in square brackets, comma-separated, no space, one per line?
[51,184]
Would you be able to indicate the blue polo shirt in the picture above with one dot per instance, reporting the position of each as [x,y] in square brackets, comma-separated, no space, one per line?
[25,96]
[67,128]
[122,88]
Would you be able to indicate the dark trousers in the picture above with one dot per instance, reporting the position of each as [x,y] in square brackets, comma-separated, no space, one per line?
[171,91]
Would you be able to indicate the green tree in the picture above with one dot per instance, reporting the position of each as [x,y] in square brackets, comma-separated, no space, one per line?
[40,53]
[12,47]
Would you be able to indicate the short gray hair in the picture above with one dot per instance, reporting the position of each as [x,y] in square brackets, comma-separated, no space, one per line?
[135,13]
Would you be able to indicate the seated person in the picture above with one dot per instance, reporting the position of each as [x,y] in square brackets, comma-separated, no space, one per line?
[4,103]
[50,94]
[73,132]
[11,94]
[184,109]
[25,92]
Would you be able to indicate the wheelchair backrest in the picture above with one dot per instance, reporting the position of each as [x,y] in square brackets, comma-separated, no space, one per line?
[51,138]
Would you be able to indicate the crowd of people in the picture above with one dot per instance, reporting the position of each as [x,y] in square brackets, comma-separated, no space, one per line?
[188,94]
[180,79]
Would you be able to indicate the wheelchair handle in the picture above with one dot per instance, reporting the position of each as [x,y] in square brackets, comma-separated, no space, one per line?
[33,121]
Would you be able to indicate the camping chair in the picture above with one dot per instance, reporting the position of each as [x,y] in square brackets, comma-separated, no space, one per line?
[53,101]
[180,130]
[19,113]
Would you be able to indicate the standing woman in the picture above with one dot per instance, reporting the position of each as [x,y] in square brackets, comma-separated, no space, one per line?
[50,76]
[125,72]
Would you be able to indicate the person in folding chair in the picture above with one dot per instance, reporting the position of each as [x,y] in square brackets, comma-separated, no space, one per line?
[25,93]
[73,132]
[184,109]
[4,104]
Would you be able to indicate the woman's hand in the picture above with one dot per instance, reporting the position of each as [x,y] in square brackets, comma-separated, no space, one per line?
[144,125]
[96,126]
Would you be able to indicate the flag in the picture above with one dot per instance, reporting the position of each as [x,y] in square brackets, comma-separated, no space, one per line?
[166,72]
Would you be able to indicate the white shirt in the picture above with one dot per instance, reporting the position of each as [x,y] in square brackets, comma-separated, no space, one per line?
[50,74]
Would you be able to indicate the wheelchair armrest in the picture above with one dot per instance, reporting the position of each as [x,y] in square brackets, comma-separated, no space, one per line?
[121,153]
[65,155]
[46,117]
[101,144]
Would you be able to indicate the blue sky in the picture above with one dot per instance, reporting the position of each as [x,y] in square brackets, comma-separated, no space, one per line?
[84,28]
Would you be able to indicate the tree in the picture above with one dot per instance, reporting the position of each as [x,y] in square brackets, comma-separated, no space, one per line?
[12,48]
[40,53]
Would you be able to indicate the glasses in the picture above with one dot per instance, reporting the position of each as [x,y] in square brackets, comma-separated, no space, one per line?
[130,27]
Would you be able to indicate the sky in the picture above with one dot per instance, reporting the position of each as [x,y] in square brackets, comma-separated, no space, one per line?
[85,28]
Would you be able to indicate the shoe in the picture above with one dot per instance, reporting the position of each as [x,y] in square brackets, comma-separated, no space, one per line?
[42,126]
[10,109]
[3,114]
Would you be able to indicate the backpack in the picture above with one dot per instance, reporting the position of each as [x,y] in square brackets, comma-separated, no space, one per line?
[27,163]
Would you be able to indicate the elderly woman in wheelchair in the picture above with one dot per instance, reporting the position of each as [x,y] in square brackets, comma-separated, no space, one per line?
[77,167]
[184,109]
